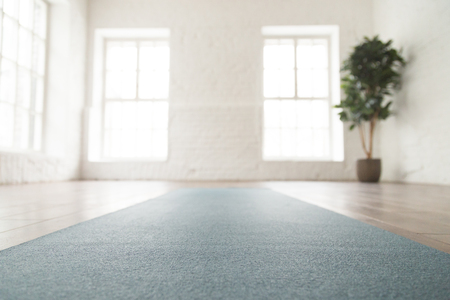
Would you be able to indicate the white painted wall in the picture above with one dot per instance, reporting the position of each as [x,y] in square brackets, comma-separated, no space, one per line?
[65,95]
[216,84]
[216,99]
[415,144]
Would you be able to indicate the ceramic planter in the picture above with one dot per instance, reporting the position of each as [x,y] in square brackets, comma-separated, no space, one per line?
[368,170]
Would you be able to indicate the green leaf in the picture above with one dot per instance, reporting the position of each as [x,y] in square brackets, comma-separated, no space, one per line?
[371,72]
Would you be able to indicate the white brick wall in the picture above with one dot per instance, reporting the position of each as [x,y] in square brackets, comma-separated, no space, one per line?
[416,143]
[60,159]
[216,100]
[216,84]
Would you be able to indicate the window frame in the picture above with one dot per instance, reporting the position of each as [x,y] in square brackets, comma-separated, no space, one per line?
[138,41]
[335,127]
[30,111]
[295,39]
[96,110]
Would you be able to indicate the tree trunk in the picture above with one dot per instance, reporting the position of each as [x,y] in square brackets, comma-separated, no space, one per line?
[368,149]
[373,123]
[363,138]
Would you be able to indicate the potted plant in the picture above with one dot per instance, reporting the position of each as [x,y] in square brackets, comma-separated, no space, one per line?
[371,74]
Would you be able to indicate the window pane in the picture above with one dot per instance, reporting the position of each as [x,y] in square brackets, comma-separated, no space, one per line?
[129,115]
[271,84]
[320,80]
[120,85]
[287,83]
[11,8]
[10,37]
[121,56]
[146,89]
[272,116]
[128,85]
[159,143]
[296,137]
[6,124]
[304,83]
[288,139]
[321,143]
[1,27]
[38,60]
[144,143]
[154,58]
[37,137]
[128,142]
[272,142]
[154,85]
[26,13]
[113,88]
[114,57]
[271,57]
[25,48]
[113,115]
[320,54]
[304,115]
[304,54]
[300,127]
[161,84]
[116,141]
[22,128]
[320,116]
[40,17]
[41,58]
[37,94]
[8,81]
[288,112]
[146,55]
[160,114]
[286,56]
[129,57]
[144,117]
[305,142]
[279,76]
[24,85]
[107,143]
[143,128]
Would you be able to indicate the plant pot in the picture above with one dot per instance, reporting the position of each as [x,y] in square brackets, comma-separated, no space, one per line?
[368,170]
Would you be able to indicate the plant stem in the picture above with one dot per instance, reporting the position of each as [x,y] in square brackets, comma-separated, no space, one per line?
[369,156]
[363,139]
[373,123]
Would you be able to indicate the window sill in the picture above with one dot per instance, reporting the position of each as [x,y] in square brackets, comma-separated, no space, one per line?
[297,160]
[9,151]
[127,160]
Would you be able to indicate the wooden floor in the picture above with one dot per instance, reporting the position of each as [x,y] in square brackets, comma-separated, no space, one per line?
[418,212]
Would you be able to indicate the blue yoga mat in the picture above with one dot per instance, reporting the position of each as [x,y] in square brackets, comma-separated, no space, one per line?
[223,244]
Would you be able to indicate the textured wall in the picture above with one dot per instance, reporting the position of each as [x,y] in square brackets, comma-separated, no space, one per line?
[416,142]
[65,95]
[216,84]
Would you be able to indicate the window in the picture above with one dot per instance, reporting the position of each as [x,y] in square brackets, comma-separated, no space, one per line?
[298,98]
[22,62]
[135,98]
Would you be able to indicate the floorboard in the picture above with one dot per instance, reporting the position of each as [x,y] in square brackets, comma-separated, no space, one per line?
[418,212]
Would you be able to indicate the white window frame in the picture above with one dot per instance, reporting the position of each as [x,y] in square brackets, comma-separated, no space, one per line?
[31,111]
[331,34]
[97,108]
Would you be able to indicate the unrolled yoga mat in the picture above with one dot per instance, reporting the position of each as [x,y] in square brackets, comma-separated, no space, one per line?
[223,244]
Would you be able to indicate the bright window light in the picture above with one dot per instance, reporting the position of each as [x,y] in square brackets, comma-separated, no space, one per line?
[136,99]
[297,99]
[22,63]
